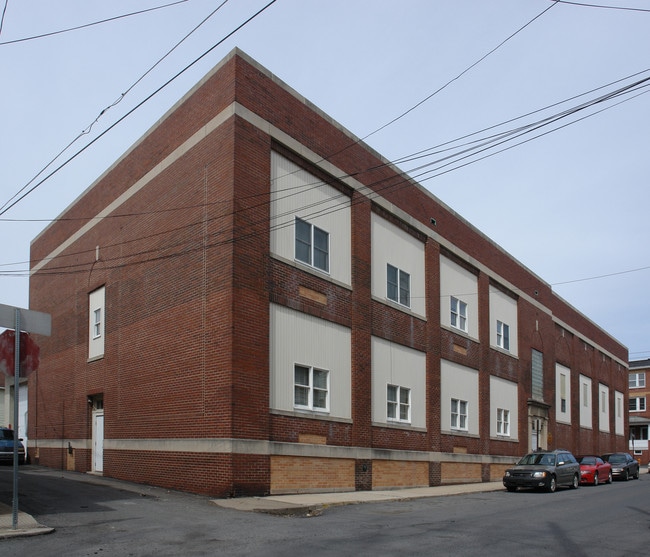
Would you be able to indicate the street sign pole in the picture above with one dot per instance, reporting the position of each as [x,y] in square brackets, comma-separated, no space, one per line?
[29,322]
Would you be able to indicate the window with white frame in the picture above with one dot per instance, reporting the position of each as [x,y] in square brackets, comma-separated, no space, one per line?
[562,393]
[503,422]
[96,322]
[585,401]
[398,285]
[637,404]
[637,380]
[312,245]
[398,407]
[311,388]
[458,314]
[537,374]
[503,335]
[459,414]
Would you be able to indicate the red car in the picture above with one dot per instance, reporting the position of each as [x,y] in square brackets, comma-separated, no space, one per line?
[594,470]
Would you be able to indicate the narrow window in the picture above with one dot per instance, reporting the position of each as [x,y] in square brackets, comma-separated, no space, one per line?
[562,393]
[398,403]
[458,414]
[537,374]
[312,245]
[311,388]
[398,285]
[458,314]
[503,335]
[97,323]
[503,422]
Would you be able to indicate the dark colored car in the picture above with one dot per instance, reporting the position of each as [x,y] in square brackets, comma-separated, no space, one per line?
[594,470]
[624,466]
[544,469]
[7,446]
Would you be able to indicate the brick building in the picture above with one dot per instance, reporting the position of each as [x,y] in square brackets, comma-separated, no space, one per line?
[639,411]
[253,301]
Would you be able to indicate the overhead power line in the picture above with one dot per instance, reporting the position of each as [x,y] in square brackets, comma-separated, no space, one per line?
[85,25]
[602,6]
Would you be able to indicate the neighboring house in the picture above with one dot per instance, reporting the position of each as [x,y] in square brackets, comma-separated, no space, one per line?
[639,411]
[252,301]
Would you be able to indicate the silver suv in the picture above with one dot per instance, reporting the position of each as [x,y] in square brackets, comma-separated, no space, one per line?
[544,469]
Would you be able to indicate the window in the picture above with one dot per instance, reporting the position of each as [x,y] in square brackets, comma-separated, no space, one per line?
[458,314]
[398,285]
[637,404]
[503,422]
[503,335]
[585,395]
[312,245]
[97,323]
[311,388]
[537,375]
[399,403]
[637,380]
[459,414]
[563,393]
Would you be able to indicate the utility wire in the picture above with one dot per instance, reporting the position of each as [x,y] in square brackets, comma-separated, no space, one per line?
[585,5]
[2,19]
[88,129]
[87,24]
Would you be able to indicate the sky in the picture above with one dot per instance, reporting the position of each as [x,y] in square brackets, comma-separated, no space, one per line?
[568,200]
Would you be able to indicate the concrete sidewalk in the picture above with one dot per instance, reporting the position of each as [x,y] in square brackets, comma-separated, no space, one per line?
[313,503]
[25,524]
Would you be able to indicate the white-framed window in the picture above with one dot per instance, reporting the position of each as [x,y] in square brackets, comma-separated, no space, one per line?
[398,403]
[459,414]
[537,374]
[312,245]
[503,422]
[96,322]
[311,388]
[586,404]
[458,314]
[562,393]
[398,285]
[637,380]
[503,335]
[637,404]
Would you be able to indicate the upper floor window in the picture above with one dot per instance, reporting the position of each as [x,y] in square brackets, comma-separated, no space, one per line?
[311,388]
[458,414]
[537,374]
[312,245]
[637,404]
[458,314]
[503,335]
[637,380]
[96,322]
[398,285]
[398,403]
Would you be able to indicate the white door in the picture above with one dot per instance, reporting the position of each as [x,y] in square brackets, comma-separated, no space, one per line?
[98,440]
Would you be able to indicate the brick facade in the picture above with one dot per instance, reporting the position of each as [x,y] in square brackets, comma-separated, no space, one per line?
[183,255]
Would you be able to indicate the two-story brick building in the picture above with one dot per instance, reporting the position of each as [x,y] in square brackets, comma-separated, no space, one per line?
[251,300]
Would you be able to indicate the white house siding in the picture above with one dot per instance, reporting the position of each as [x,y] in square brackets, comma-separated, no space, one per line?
[298,338]
[459,382]
[503,308]
[461,284]
[504,394]
[402,366]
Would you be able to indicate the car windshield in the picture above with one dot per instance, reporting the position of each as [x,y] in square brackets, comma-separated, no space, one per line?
[588,460]
[6,434]
[616,459]
[545,459]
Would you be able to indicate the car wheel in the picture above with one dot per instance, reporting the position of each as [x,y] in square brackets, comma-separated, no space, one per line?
[511,488]
[626,476]
[595,478]
[636,475]
[609,478]
[576,482]
[552,485]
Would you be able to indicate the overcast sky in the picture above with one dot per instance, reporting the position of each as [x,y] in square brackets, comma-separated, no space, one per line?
[568,200]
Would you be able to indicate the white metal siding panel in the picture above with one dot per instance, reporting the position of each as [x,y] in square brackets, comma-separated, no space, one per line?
[298,338]
[391,245]
[296,193]
[585,402]
[503,308]
[503,394]
[603,407]
[619,400]
[461,284]
[96,301]
[457,381]
[563,417]
[401,366]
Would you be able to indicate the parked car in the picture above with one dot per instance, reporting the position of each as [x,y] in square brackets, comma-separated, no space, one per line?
[594,470]
[624,466]
[7,446]
[544,469]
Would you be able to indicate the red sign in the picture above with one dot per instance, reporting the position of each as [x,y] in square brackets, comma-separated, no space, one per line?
[29,353]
